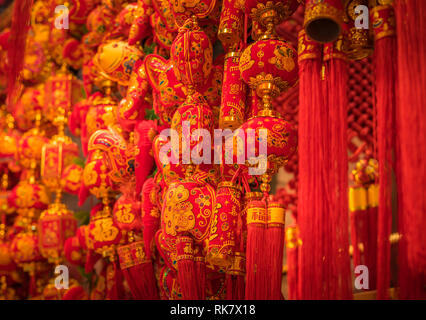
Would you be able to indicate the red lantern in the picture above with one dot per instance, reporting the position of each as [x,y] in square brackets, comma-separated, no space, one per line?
[198,114]
[95,179]
[30,146]
[269,67]
[71,178]
[101,114]
[127,213]
[56,155]
[55,225]
[8,146]
[281,144]
[6,262]
[74,252]
[192,56]
[29,195]
[104,233]
[25,250]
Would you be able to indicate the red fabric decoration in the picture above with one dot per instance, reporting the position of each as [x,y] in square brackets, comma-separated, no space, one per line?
[137,268]
[183,11]
[256,245]
[127,213]
[150,213]
[162,35]
[192,65]
[269,57]
[315,211]
[75,293]
[186,274]
[292,254]
[114,282]
[411,141]
[131,109]
[17,43]
[73,251]
[383,20]
[140,27]
[222,239]
[334,164]
[232,107]
[275,249]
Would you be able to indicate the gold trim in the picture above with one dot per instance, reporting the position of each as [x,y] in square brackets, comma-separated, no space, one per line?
[357,199]
[229,184]
[233,54]
[276,216]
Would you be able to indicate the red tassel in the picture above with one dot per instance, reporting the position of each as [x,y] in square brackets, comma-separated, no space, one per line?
[235,278]
[115,288]
[275,249]
[75,293]
[385,90]
[186,268]
[200,272]
[371,247]
[33,285]
[411,142]
[360,229]
[322,212]
[309,209]
[138,270]
[17,43]
[150,213]
[255,263]
[356,238]
[292,250]
[336,170]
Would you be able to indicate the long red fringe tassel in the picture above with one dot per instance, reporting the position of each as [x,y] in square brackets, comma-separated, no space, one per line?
[256,224]
[309,208]
[150,214]
[138,270]
[186,274]
[358,224]
[323,207]
[385,90]
[235,278]
[17,43]
[411,140]
[292,253]
[115,288]
[336,170]
[200,272]
[142,282]
[371,247]
[363,201]
[275,249]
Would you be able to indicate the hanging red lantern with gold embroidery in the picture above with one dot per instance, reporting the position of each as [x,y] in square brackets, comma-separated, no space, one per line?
[55,226]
